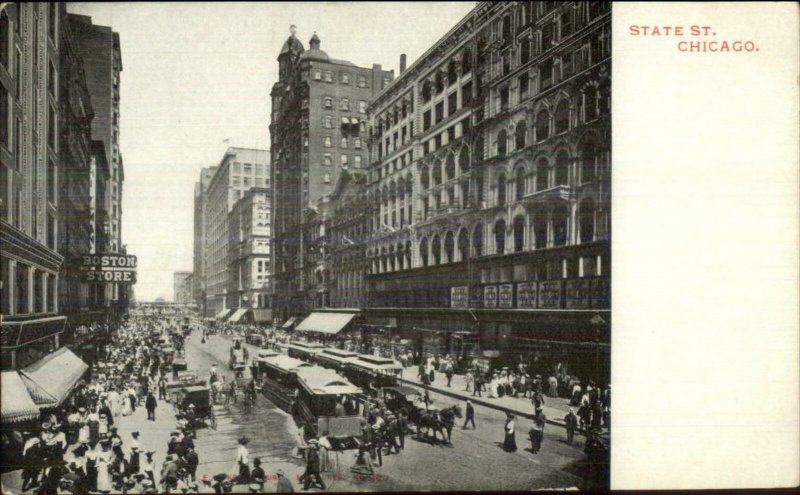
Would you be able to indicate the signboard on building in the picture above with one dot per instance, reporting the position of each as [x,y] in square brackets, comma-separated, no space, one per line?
[106,268]
[476,295]
[526,295]
[505,296]
[550,294]
[577,294]
[459,297]
[490,296]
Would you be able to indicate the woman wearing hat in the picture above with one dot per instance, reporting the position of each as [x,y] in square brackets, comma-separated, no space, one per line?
[243,460]
[149,466]
[510,443]
[103,464]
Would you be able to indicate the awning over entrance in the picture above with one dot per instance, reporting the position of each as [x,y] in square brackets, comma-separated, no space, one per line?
[57,373]
[34,329]
[262,315]
[327,323]
[237,315]
[15,402]
[289,323]
[223,314]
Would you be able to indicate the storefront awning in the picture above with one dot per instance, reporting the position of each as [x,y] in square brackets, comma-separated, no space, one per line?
[15,403]
[288,323]
[20,332]
[57,373]
[262,315]
[237,315]
[327,323]
[223,314]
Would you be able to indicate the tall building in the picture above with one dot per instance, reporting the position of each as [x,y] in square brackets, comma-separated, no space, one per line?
[38,372]
[182,290]
[199,258]
[318,128]
[249,231]
[99,47]
[238,171]
[76,219]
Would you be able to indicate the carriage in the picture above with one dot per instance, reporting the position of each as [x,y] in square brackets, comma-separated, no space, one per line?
[199,396]
[238,356]
[397,398]
[180,364]
[255,339]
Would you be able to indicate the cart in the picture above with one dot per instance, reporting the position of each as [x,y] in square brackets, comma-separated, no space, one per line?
[399,397]
[199,396]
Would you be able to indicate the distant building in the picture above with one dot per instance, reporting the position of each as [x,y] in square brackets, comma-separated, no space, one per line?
[249,231]
[318,129]
[182,289]
[199,259]
[238,171]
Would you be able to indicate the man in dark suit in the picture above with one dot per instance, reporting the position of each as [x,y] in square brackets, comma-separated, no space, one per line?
[571,423]
[469,416]
[402,427]
[312,466]
[150,404]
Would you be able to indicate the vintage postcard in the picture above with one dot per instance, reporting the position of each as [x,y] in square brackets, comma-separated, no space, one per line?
[367,247]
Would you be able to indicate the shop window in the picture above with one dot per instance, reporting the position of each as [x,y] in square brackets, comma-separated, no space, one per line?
[500,236]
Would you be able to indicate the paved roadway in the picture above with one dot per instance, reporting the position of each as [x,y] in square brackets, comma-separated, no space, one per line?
[475,461]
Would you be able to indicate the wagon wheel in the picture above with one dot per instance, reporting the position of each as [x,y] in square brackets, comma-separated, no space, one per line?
[212,418]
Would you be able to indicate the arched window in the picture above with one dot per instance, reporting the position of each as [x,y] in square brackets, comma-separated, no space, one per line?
[500,236]
[477,240]
[463,243]
[436,247]
[449,247]
[507,27]
[519,183]
[542,125]
[408,254]
[450,167]
[424,177]
[452,72]
[562,169]
[439,82]
[586,221]
[400,257]
[502,143]
[562,117]
[466,61]
[463,159]
[520,137]
[588,161]
[410,183]
[437,172]
[519,233]
[540,229]
[560,226]
[385,195]
[391,258]
[401,189]
[501,190]
[392,191]
[423,251]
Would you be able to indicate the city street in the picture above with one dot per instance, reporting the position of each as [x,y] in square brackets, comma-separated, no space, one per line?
[473,462]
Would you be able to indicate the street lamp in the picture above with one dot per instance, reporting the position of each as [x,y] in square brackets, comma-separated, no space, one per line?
[597,322]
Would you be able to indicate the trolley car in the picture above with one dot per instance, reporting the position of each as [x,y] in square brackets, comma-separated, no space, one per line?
[335,359]
[306,351]
[278,374]
[368,371]
[318,390]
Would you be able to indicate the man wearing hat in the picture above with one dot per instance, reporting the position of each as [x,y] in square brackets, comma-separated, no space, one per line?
[150,404]
[169,473]
[135,449]
[284,485]
[149,467]
[192,461]
[243,460]
[312,466]
[571,423]
[537,432]
[469,416]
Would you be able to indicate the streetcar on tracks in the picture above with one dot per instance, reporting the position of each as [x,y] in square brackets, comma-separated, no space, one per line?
[335,359]
[318,390]
[307,351]
[278,374]
[373,372]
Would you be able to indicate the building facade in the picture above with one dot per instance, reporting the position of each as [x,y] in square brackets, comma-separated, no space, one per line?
[249,246]
[200,199]
[29,162]
[181,287]
[318,129]
[238,171]
[99,48]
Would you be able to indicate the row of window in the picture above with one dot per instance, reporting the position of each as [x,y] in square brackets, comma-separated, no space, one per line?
[343,142]
[329,76]
[328,123]
[344,160]
[27,285]
[344,104]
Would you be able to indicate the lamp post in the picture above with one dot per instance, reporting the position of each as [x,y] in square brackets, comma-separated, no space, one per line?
[597,322]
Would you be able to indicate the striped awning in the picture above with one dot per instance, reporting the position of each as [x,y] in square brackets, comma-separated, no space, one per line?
[16,403]
[288,323]
[57,373]
[262,315]
[223,314]
[327,323]
[235,317]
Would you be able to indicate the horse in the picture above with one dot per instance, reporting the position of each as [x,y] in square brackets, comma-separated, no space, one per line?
[443,421]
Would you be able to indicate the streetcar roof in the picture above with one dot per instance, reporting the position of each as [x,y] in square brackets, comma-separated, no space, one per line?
[285,363]
[305,347]
[373,363]
[265,353]
[322,381]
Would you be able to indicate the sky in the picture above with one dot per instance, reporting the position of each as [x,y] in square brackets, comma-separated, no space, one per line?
[196,74]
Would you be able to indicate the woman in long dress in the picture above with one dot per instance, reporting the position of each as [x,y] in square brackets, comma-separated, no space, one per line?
[510,443]
[104,484]
[83,426]
[125,404]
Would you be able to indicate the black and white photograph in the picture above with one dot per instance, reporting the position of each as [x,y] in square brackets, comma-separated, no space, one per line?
[366,247]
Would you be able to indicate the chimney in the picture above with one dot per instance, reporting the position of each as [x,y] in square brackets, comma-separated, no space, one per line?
[402,63]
